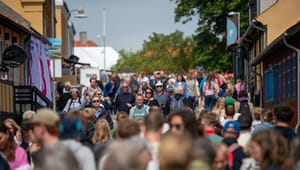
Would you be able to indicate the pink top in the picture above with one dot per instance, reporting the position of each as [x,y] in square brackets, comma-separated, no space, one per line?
[213,90]
[20,162]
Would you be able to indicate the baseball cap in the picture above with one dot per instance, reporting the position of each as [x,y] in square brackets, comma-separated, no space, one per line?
[159,84]
[70,128]
[229,101]
[157,72]
[232,124]
[46,116]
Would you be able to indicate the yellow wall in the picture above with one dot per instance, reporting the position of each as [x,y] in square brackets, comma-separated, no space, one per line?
[32,10]
[58,15]
[279,17]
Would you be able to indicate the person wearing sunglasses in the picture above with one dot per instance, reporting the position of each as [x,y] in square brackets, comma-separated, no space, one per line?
[149,100]
[100,112]
[183,121]
[124,100]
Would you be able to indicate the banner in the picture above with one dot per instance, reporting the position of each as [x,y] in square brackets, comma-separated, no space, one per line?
[231,30]
[40,75]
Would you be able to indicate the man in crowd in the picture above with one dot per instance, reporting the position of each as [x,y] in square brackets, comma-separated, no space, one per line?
[231,131]
[140,110]
[284,115]
[160,95]
[156,79]
[100,112]
[154,123]
[124,100]
[177,101]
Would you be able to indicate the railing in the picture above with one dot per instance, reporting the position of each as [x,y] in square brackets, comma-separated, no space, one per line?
[30,96]
[6,96]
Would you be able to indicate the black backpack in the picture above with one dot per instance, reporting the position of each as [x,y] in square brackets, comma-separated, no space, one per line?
[245,109]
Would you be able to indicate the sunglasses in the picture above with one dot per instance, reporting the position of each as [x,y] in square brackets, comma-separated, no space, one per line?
[125,87]
[99,94]
[158,86]
[148,92]
[177,126]
[96,101]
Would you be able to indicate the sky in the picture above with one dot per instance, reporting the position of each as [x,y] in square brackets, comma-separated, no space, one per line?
[128,22]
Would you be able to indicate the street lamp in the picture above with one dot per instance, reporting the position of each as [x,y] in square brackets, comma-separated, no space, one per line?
[80,13]
[103,37]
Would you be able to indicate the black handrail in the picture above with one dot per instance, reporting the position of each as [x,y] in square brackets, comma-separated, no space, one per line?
[30,95]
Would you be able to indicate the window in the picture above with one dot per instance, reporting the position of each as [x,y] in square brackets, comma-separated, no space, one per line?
[276,94]
[266,85]
[283,80]
[294,72]
[288,62]
[279,81]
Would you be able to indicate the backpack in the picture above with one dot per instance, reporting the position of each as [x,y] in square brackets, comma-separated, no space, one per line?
[230,150]
[245,109]
[176,104]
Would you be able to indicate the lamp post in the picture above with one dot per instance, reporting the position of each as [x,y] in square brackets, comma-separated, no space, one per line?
[80,14]
[103,37]
[104,32]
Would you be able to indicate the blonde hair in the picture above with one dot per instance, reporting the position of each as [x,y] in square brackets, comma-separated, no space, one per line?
[88,115]
[257,113]
[101,132]
[121,116]
[13,124]
[220,105]
[96,92]
[76,91]
[67,85]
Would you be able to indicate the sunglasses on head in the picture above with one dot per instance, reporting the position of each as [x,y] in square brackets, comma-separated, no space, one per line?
[96,101]
[177,126]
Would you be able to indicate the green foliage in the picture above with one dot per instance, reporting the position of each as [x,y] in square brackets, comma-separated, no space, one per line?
[171,52]
[210,34]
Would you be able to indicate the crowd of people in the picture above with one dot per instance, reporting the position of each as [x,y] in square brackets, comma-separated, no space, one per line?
[158,122]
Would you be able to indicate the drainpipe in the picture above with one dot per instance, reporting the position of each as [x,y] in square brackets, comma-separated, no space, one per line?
[298,78]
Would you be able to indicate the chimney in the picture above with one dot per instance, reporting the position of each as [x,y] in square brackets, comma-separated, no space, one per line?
[83,38]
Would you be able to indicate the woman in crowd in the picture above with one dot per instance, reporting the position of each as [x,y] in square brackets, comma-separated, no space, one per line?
[149,100]
[14,130]
[15,155]
[210,91]
[75,103]
[101,132]
[220,107]
[270,149]
[107,104]
[193,89]
[180,81]
[220,162]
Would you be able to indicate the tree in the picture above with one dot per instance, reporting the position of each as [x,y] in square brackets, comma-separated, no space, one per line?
[172,52]
[210,34]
